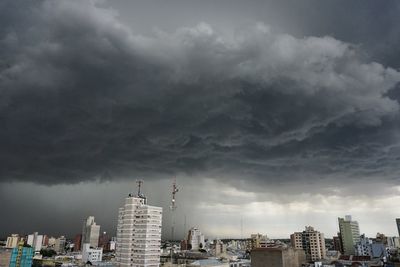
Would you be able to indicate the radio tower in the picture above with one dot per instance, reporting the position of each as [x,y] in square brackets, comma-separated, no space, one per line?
[173,208]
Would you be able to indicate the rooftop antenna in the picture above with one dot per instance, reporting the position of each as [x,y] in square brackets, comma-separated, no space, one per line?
[139,184]
[173,207]
[184,229]
[241,227]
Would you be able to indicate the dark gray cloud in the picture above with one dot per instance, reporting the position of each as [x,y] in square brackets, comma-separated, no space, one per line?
[269,110]
[83,97]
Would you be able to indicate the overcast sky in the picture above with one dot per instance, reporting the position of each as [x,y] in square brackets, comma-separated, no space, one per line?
[281,114]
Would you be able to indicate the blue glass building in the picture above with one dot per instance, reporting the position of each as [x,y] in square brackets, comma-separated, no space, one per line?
[21,256]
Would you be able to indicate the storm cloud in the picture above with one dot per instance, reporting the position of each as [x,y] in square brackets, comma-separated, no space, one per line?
[86,98]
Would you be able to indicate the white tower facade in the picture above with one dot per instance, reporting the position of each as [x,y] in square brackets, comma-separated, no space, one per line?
[195,239]
[90,232]
[138,233]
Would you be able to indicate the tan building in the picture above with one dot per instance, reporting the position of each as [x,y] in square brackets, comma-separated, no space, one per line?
[12,241]
[257,241]
[277,257]
[311,241]
[5,255]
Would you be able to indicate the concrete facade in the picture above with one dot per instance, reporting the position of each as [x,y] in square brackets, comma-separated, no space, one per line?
[91,254]
[311,241]
[349,234]
[277,257]
[35,240]
[195,239]
[21,256]
[90,232]
[12,241]
[138,233]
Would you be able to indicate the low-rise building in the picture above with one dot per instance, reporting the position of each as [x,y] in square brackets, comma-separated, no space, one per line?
[91,254]
[277,257]
[366,247]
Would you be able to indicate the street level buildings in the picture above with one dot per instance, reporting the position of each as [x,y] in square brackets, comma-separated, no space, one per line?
[349,234]
[138,233]
[311,241]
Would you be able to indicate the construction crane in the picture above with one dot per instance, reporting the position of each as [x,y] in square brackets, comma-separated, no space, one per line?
[173,207]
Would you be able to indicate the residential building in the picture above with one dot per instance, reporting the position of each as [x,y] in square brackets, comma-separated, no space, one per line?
[381,238]
[398,225]
[311,241]
[45,241]
[12,241]
[349,234]
[5,256]
[258,241]
[35,240]
[77,242]
[218,248]
[366,247]
[277,257]
[195,239]
[337,244]
[393,242]
[52,242]
[113,243]
[104,241]
[21,256]
[138,233]
[91,254]
[90,232]
[59,245]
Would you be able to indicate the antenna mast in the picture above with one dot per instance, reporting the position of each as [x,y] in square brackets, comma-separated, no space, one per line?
[139,183]
[173,207]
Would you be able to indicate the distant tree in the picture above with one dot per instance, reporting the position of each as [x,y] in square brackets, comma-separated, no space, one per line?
[47,253]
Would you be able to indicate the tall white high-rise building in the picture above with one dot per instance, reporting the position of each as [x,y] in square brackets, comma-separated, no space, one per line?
[90,232]
[35,240]
[138,233]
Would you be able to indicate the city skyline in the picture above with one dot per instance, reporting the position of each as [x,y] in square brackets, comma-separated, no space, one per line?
[277,114]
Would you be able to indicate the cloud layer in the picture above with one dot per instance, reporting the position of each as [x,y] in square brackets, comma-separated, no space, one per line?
[83,97]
